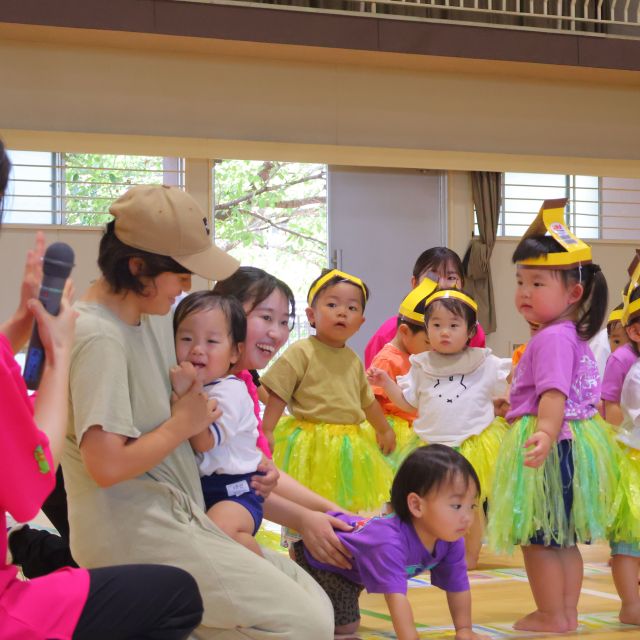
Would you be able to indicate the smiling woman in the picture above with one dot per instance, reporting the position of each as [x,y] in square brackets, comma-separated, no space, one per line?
[132,479]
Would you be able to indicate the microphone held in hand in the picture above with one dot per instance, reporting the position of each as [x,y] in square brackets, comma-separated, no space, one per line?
[57,265]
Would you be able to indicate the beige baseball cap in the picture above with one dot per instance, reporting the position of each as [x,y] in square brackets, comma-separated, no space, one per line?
[168,221]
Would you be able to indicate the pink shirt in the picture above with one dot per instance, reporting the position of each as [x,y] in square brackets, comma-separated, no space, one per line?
[387,332]
[618,365]
[556,358]
[263,443]
[47,607]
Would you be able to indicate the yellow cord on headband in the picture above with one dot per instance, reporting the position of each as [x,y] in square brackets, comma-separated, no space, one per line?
[452,293]
[414,298]
[333,274]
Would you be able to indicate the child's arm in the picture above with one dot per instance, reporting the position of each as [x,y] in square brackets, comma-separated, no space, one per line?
[272,413]
[203,441]
[380,378]
[401,616]
[460,608]
[550,418]
[612,413]
[384,433]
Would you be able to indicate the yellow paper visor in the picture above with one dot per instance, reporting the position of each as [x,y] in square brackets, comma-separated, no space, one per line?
[550,220]
[333,274]
[452,293]
[414,298]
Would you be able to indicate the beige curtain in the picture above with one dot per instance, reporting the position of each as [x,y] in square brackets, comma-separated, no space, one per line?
[487,196]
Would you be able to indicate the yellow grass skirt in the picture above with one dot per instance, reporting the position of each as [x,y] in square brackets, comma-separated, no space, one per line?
[341,462]
[482,452]
[625,526]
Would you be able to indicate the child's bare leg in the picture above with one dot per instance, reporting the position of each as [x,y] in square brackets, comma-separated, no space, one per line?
[236,522]
[473,540]
[625,577]
[546,578]
[573,569]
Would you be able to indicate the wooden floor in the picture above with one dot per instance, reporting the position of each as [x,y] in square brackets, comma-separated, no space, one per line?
[500,595]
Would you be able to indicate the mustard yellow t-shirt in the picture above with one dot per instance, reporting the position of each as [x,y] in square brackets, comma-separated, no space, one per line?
[320,383]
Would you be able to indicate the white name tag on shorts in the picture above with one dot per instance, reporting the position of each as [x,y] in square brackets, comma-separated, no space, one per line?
[237,488]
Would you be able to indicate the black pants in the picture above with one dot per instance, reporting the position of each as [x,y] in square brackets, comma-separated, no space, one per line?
[41,552]
[141,602]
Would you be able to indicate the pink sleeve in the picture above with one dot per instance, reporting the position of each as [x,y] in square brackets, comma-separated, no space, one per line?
[480,339]
[384,334]
[25,459]
[613,379]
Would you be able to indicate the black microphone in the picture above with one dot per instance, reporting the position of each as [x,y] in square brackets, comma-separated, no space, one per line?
[57,265]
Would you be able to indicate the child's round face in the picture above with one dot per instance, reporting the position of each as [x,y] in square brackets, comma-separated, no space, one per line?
[617,336]
[447,332]
[414,343]
[337,313]
[267,330]
[541,295]
[447,512]
[203,339]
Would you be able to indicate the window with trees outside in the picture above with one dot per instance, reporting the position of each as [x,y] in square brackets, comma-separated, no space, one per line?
[269,214]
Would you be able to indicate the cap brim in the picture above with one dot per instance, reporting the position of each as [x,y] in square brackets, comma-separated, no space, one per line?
[211,264]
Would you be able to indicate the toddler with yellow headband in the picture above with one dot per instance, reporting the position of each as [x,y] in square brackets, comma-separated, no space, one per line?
[556,472]
[452,387]
[325,442]
[410,339]
[623,355]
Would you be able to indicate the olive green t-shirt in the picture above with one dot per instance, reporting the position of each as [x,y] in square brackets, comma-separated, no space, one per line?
[320,383]
[119,379]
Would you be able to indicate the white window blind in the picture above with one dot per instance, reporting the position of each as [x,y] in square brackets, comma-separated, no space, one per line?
[77,188]
[598,207]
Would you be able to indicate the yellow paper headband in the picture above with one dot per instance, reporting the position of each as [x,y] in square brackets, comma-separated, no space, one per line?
[629,308]
[550,219]
[333,274]
[452,293]
[421,292]
[615,316]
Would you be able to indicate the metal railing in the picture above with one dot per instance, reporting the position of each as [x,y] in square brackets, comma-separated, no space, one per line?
[615,18]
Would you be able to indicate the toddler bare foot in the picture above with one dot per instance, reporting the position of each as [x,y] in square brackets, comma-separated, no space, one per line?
[630,613]
[539,621]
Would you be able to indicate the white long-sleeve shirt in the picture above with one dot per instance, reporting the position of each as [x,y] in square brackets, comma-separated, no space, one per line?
[235,433]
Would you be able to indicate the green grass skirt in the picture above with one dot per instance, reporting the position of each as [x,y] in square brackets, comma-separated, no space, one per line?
[528,501]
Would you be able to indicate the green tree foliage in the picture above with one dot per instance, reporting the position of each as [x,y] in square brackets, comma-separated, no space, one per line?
[280,206]
[92,181]
[268,214]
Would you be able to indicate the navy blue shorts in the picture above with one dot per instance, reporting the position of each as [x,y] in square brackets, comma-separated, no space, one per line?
[236,488]
[566,474]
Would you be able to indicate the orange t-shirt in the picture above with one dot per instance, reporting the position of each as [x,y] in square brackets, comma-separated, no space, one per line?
[517,354]
[395,363]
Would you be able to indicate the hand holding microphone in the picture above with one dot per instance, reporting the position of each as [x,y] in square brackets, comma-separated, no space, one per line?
[57,265]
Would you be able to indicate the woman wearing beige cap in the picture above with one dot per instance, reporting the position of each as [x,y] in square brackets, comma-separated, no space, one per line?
[133,485]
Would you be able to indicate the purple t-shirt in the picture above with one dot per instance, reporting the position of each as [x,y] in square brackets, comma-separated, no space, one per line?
[387,552]
[556,358]
[618,365]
